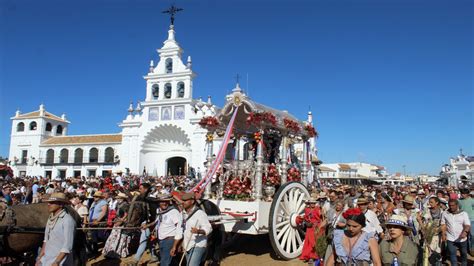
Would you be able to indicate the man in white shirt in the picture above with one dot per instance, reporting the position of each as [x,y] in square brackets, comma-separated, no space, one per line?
[197,228]
[169,228]
[455,227]
[372,222]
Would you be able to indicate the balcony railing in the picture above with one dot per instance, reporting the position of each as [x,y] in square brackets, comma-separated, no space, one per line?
[75,161]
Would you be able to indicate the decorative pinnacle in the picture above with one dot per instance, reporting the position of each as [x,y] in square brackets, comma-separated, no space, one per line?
[139,107]
[151,66]
[130,108]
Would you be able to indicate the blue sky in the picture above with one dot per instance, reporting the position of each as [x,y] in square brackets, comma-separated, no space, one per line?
[389,82]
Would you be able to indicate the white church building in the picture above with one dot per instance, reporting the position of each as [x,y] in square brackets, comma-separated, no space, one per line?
[160,135]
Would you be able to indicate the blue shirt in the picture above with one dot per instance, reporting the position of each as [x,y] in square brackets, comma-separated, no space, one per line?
[96,209]
[34,189]
[360,250]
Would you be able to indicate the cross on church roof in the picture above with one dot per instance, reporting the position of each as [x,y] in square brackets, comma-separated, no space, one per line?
[172,11]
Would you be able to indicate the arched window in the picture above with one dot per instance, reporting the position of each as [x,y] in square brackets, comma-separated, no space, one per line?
[169,65]
[167,90]
[50,156]
[155,91]
[20,127]
[64,156]
[93,155]
[78,155]
[180,89]
[33,125]
[49,127]
[109,155]
[59,130]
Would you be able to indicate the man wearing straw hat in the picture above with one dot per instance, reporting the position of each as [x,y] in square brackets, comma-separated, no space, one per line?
[59,233]
[97,216]
[372,221]
[168,225]
[196,229]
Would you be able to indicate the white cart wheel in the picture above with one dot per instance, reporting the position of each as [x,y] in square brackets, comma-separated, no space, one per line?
[285,236]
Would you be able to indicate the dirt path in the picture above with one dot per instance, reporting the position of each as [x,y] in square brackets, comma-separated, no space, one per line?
[245,251]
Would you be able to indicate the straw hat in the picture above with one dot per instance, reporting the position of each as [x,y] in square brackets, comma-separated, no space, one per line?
[398,220]
[121,195]
[187,196]
[409,200]
[164,197]
[322,195]
[98,194]
[362,200]
[58,197]
[313,199]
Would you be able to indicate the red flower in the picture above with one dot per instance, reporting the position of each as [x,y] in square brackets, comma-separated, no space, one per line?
[310,131]
[261,119]
[209,122]
[351,212]
[291,125]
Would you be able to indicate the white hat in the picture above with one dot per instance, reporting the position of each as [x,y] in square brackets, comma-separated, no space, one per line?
[399,220]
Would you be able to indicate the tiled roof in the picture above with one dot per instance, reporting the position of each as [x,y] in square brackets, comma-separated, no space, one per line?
[326,169]
[344,167]
[36,114]
[86,139]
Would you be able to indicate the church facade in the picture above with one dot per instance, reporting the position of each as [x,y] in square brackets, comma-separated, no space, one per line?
[160,135]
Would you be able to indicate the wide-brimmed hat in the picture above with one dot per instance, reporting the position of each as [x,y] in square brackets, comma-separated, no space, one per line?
[362,200]
[409,200]
[58,197]
[399,220]
[322,195]
[164,197]
[421,192]
[313,198]
[188,196]
[98,194]
[121,195]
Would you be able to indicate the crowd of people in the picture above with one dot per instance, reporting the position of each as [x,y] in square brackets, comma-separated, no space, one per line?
[118,213]
[376,225]
[345,225]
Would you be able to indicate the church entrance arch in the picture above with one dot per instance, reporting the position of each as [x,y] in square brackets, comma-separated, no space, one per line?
[176,166]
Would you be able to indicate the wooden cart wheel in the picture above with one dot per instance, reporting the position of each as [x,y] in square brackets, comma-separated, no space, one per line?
[285,236]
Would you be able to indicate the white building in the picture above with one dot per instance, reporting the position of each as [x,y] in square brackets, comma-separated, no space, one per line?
[160,135]
[351,173]
[459,168]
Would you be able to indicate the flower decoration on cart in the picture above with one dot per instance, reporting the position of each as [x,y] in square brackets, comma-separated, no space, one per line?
[291,125]
[272,178]
[294,174]
[209,122]
[236,188]
[310,131]
[257,136]
[261,119]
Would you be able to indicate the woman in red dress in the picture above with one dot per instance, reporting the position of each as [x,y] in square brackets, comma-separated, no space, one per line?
[312,218]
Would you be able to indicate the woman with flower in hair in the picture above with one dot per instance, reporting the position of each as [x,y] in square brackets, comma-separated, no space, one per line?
[353,246]
[312,219]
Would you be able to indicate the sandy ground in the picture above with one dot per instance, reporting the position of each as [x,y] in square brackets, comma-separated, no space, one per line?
[245,251]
